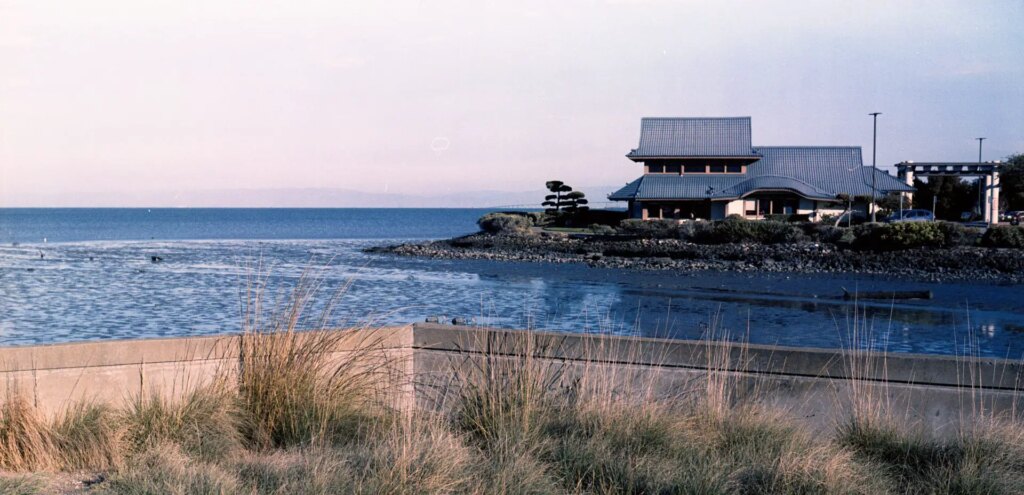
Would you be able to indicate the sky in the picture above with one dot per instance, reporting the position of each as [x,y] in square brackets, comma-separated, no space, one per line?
[138,99]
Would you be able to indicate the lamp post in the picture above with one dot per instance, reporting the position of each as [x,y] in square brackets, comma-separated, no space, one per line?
[874,154]
[981,182]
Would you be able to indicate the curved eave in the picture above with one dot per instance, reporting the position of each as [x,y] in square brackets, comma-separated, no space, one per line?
[637,158]
[785,189]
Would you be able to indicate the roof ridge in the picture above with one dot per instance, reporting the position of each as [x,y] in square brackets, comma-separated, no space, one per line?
[809,147]
[741,117]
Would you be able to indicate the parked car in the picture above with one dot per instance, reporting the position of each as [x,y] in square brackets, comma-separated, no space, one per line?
[911,216]
[858,217]
[969,216]
[1013,217]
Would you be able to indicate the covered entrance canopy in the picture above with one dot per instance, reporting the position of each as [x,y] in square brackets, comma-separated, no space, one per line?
[987,172]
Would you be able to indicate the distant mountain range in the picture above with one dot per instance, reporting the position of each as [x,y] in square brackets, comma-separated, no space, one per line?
[297,198]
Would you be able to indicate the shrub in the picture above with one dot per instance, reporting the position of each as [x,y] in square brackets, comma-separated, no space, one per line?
[602,229]
[655,229]
[601,217]
[1004,236]
[505,223]
[777,233]
[733,231]
[907,235]
[539,217]
[904,235]
[862,236]
[823,232]
[955,234]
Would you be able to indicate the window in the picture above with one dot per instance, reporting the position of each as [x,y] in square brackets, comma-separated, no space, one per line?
[672,169]
[734,168]
[693,168]
[750,207]
[716,168]
[777,205]
[657,168]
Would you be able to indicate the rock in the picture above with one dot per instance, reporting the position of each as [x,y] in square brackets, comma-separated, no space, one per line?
[1006,265]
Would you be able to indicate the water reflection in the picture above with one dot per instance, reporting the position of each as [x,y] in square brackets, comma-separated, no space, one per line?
[102,290]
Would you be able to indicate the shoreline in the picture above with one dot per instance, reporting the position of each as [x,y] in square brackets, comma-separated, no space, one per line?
[993,265]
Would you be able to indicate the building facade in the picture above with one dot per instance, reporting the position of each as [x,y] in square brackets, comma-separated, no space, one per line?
[707,168]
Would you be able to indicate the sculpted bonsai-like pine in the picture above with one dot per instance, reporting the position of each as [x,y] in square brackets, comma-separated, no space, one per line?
[575,202]
[556,201]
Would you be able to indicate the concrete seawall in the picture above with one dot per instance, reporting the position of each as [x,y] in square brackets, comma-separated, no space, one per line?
[816,385]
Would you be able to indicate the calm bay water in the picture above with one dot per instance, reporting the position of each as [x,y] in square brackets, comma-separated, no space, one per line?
[85,274]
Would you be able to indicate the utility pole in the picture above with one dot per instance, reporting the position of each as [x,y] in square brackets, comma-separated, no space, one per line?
[874,154]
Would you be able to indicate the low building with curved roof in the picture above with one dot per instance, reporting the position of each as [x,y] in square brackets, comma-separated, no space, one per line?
[706,167]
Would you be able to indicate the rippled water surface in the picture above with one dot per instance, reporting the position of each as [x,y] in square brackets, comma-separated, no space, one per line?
[82,288]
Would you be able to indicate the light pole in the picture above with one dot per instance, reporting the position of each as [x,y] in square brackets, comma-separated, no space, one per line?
[981,182]
[874,154]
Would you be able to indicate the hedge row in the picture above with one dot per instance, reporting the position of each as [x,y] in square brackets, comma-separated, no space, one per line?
[872,237]
[729,231]
[1006,236]
[876,237]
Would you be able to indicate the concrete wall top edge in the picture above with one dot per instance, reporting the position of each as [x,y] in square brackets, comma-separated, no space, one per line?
[158,350]
[815,362]
[829,363]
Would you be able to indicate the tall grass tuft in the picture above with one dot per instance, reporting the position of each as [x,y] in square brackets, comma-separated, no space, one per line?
[204,423]
[418,454]
[26,442]
[989,459]
[88,436]
[299,384]
[165,468]
[503,395]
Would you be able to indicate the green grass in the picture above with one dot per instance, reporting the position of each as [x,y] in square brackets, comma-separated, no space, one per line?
[571,230]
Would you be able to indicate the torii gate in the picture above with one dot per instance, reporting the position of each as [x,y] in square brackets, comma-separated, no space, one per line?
[987,171]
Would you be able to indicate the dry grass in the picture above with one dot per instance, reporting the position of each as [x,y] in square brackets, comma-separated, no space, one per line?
[26,440]
[293,386]
[204,424]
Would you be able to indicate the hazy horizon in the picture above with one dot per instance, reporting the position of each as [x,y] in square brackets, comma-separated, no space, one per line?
[121,101]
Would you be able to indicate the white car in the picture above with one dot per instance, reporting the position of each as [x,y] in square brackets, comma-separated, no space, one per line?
[912,216]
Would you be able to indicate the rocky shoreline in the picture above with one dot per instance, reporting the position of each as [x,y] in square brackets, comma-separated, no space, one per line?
[928,264]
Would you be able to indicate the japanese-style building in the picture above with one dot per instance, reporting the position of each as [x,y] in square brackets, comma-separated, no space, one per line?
[706,168]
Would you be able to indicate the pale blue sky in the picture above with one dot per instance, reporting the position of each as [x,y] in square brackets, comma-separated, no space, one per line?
[115,96]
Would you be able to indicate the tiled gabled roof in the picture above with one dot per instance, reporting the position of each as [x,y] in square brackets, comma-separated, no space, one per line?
[815,172]
[674,186]
[693,136]
[832,169]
